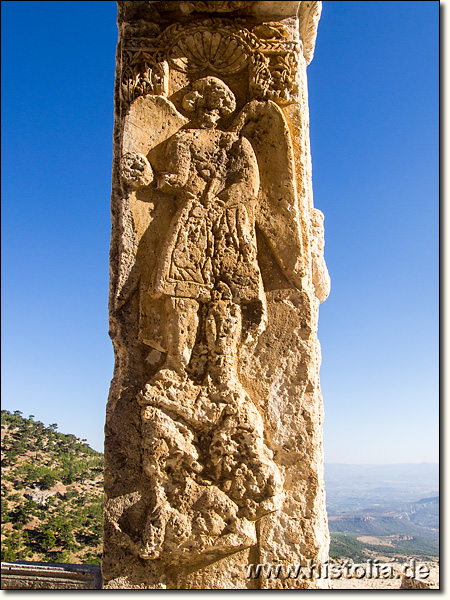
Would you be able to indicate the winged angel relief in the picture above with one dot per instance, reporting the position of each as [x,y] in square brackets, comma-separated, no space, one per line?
[209,468]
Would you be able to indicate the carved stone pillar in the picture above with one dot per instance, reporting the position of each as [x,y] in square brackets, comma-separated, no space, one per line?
[214,421]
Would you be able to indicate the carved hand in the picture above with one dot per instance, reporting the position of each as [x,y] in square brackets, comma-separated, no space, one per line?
[167,181]
[135,170]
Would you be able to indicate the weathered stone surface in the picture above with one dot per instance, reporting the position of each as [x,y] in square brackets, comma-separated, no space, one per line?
[412,583]
[50,576]
[214,421]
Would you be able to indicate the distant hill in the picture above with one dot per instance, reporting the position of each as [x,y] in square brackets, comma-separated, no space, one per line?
[393,548]
[378,510]
[398,528]
[377,525]
[434,500]
[52,493]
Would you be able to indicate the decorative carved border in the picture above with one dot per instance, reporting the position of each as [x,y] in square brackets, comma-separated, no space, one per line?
[309,16]
[216,6]
[218,46]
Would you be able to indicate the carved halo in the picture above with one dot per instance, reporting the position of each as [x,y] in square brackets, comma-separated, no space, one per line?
[208,50]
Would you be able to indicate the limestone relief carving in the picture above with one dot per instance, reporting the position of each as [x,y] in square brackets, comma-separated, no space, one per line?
[209,449]
[189,7]
[218,45]
[136,171]
[212,439]
[142,75]
[320,276]
[309,16]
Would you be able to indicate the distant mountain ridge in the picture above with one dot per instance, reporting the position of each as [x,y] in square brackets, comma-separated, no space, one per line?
[388,509]
[434,500]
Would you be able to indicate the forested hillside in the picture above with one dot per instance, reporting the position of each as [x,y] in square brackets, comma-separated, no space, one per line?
[52,494]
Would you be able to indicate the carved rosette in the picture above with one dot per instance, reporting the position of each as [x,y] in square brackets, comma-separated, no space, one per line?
[219,46]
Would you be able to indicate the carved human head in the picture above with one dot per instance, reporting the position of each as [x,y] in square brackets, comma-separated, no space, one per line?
[210,99]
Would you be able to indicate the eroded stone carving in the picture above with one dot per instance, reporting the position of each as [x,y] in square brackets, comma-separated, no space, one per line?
[189,7]
[213,447]
[321,278]
[136,171]
[218,45]
[209,274]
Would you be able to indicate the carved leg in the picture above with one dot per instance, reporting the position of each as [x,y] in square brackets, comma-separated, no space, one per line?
[223,333]
[154,532]
[181,332]
[166,445]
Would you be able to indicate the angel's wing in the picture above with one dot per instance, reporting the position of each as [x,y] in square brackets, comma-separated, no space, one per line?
[277,215]
[150,122]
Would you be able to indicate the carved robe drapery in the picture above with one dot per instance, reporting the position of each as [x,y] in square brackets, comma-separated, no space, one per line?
[212,238]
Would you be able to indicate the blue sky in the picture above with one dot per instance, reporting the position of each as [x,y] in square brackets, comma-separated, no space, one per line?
[373,91]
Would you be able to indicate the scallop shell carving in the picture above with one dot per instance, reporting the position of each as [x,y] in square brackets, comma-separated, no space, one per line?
[208,50]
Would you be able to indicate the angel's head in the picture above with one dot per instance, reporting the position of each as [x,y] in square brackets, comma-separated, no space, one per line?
[210,99]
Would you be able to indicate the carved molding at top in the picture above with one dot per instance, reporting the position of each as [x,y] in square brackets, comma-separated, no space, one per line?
[219,46]
[189,7]
[308,13]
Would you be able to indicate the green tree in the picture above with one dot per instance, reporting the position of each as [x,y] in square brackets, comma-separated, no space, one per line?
[24,512]
[47,481]
[48,540]
[8,551]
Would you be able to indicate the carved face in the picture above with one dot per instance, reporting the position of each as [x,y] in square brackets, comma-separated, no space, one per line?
[210,100]
[207,117]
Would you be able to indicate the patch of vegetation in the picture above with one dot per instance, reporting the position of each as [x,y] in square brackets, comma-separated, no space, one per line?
[346,545]
[52,494]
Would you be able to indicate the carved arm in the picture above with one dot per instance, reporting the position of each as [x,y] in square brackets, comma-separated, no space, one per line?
[178,160]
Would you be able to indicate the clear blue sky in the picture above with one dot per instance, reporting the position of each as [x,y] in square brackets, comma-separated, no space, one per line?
[373,91]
